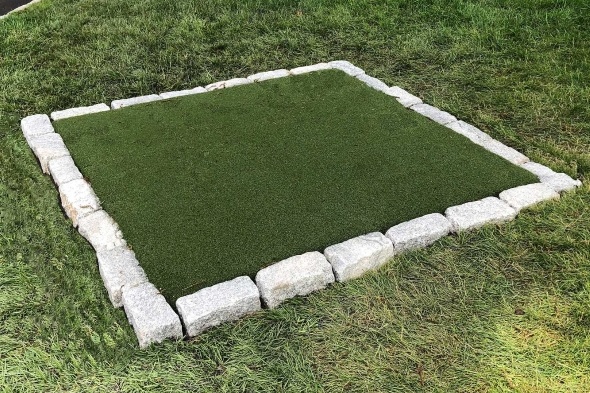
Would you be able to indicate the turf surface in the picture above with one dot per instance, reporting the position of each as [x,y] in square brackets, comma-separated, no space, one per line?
[212,186]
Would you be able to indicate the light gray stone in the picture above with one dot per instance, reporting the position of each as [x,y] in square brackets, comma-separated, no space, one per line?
[347,67]
[47,147]
[78,199]
[219,303]
[504,151]
[473,215]
[472,133]
[538,169]
[263,76]
[295,276]
[119,269]
[36,125]
[180,93]
[352,258]
[403,97]
[528,195]
[63,170]
[373,82]
[228,83]
[434,113]
[152,318]
[560,182]
[83,110]
[419,232]
[311,68]
[117,104]
[101,231]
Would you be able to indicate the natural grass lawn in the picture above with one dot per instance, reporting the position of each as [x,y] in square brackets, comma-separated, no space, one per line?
[438,320]
[213,186]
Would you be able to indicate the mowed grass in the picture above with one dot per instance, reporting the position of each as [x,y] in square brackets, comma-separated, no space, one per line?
[214,186]
[438,320]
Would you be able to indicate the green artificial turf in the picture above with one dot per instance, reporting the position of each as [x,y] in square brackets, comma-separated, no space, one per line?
[213,186]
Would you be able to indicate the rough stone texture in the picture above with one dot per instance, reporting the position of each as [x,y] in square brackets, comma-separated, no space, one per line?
[538,169]
[473,215]
[473,133]
[219,303]
[347,67]
[354,257]
[263,76]
[373,82]
[36,125]
[134,101]
[434,113]
[311,68]
[419,232]
[560,182]
[180,93]
[150,315]
[83,110]
[403,97]
[528,195]
[47,147]
[228,83]
[119,269]
[63,170]
[298,275]
[78,199]
[504,151]
[101,231]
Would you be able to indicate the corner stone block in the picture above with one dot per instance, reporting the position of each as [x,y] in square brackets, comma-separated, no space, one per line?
[560,182]
[310,68]
[505,152]
[472,133]
[263,76]
[528,195]
[78,199]
[152,318]
[354,257]
[295,276]
[347,67]
[117,104]
[119,269]
[83,110]
[36,125]
[219,303]
[434,114]
[47,147]
[373,82]
[180,93]
[403,97]
[101,231]
[476,214]
[419,232]
[63,170]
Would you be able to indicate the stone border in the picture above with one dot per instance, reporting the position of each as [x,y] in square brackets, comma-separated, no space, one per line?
[152,317]
[17,9]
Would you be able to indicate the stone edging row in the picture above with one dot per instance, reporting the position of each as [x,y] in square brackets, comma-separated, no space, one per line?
[154,320]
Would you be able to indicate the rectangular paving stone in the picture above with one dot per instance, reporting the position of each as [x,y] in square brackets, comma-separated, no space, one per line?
[101,231]
[295,276]
[117,104]
[119,269]
[219,303]
[560,182]
[47,147]
[352,258]
[473,133]
[473,215]
[310,68]
[403,97]
[36,125]
[152,318]
[419,232]
[373,82]
[504,151]
[83,110]
[528,195]
[434,113]
[347,67]
[228,83]
[78,199]
[263,76]
[181,93]
[63,170]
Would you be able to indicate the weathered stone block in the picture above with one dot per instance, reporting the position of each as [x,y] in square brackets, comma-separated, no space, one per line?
[473,133]
[373,82]
[228,83]
[295,276]
[78,199]
[47,147]
[63,170]
[504,151]
[117,104]
[528,195]
[153,320]
[354,257]
[347,67]
[310,68]
[403,97]
[101,231]
[560,182]
[263,76]
[83,110]
[434,113]
[119,269]
[219,303]
[538,169]
[36,125]
[473,215]
[419,232]
[180,93]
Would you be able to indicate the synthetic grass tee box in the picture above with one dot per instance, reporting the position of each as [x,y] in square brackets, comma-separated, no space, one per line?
[213,186]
